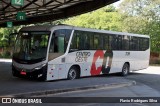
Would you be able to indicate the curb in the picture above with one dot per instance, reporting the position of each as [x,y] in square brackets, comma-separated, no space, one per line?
[78,89]
[5,60]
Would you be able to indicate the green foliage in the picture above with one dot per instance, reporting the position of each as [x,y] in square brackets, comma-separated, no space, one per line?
[133,16]
[134,24]
[143,17]
[106,18]
[5,54]
[4,35]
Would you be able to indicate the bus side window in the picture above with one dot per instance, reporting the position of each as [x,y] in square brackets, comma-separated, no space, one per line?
[61,44]
[67,37]
[106,42]
[91,40]
[56,44]
[131,44]
[73,42]
[136,43]
[113,42]
[101,41]
[86,41]
[140,44]
[57,41]
[76,43]
[81,36]
[125,42]
[51,50]
[119,42]
[96,41]
[146,43]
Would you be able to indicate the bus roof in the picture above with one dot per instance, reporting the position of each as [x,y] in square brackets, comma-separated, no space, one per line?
[62,26]
[45,27]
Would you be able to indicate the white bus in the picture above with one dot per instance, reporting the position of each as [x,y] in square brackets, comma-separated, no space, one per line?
[62,51]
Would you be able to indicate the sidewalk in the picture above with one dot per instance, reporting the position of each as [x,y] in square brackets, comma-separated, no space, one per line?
[5,60]
[70,89]
[12,86]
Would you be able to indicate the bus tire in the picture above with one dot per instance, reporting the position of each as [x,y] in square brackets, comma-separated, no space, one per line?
[73,73]
[14,74]
[125,69]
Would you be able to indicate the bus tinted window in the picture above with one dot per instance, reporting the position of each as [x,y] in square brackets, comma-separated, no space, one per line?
[83,40]
[136,43]
[119,42]
[101,41]
[140,43]
[67,34]
[106,42]
[144,44]
[113,42]
[132,43]
[91,40]
[110,42]
[73,45]
[59,41]
[80,39]
[86,40]
[96,41]
[77,41]
[125,42]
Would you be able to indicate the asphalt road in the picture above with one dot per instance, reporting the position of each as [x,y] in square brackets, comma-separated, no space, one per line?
[11,85]
[149,77]
[147,85]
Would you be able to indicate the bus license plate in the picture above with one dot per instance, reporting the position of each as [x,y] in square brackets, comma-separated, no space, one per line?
[23,73]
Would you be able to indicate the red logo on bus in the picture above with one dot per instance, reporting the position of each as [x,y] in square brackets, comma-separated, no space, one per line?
[100,54]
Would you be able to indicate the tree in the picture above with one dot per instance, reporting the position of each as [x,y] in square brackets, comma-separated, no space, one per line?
[143,17]
[105,18]
[4,35]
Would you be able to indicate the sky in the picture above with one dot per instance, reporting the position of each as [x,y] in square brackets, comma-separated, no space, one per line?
[116,4]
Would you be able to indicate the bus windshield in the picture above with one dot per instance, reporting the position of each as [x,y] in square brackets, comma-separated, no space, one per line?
[31,46]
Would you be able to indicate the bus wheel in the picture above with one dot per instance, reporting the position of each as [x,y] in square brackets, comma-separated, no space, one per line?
[125,69]
[14,74]
[73,73]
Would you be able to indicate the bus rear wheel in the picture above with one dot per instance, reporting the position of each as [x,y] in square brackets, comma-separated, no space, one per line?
[125,69]
[73,73]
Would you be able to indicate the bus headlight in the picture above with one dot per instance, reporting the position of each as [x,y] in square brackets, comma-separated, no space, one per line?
[39,67]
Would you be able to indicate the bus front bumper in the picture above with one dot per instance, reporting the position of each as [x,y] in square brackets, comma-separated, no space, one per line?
[35,73]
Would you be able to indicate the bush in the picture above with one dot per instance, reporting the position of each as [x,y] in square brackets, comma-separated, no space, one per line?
[154,61]
[158,62]
[5,54]
[0,55]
